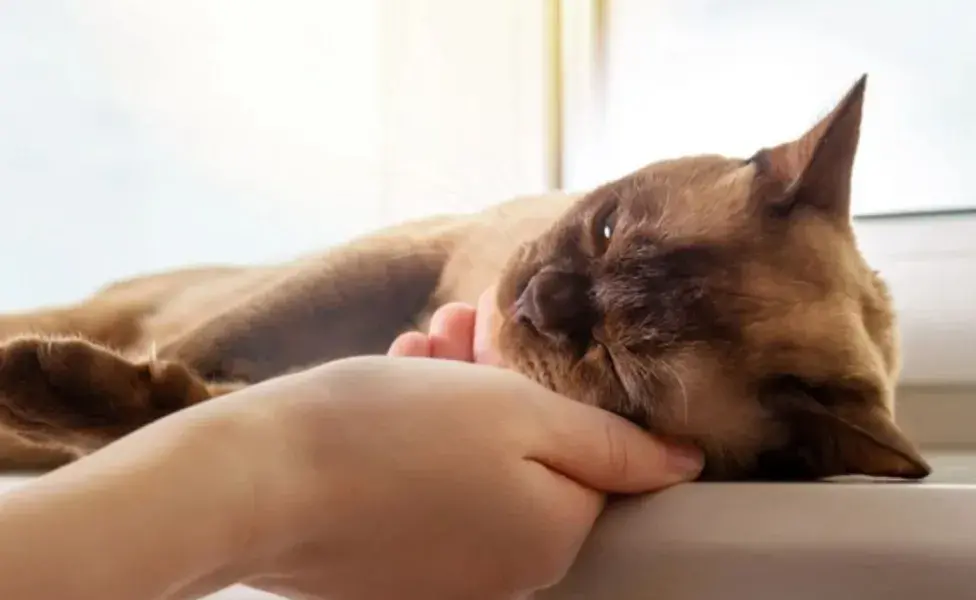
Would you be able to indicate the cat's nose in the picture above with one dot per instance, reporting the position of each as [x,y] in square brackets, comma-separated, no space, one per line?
[554,302]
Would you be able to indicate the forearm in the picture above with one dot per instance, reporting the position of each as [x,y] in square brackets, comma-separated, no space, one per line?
[139,519]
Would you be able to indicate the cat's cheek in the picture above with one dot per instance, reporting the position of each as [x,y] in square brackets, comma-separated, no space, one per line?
[517,350]
[592,380]
[508,343]
[516,275]
[705,400]
[729,427]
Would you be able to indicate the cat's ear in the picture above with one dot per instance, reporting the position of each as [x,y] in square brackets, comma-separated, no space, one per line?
[858,440]
[850,439]
[815,169]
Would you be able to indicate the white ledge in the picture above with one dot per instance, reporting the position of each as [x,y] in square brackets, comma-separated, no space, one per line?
[751,541]
[793,541]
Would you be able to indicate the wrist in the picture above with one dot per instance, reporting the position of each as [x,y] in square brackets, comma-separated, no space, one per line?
[156,514]
[182,473]
[214,512]
[241,440]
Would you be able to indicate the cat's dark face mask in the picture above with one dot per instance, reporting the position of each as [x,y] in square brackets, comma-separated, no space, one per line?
[722,301]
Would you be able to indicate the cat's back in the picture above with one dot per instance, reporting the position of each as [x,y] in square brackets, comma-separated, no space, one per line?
[475,248]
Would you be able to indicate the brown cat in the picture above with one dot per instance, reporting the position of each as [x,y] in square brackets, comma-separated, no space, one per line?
[719,300]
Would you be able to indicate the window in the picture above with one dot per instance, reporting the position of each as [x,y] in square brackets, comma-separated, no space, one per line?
[147,135]
[705,75]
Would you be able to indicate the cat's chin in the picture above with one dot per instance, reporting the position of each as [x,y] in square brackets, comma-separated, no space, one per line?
[593,379]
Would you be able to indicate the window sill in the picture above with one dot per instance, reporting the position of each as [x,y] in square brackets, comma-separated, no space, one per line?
[797,541]
[938,418]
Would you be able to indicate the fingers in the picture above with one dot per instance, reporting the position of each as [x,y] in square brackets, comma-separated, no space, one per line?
[451,336]
[606,452]
[412,343]
[457,332]
[452,332]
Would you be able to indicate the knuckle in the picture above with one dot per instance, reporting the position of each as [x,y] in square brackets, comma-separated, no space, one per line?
[618,455]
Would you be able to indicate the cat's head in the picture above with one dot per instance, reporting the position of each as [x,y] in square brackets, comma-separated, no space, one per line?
[722,301]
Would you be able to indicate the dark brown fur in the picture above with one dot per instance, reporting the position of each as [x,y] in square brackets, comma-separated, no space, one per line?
[729,306]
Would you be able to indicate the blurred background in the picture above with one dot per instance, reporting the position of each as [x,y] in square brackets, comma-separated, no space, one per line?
[139,135]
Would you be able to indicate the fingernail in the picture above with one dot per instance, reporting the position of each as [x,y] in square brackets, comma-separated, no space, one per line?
[686,460]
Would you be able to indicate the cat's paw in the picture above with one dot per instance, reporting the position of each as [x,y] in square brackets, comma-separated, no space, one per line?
[73,393]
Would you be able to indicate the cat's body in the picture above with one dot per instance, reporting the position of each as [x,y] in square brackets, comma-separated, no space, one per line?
[713,299]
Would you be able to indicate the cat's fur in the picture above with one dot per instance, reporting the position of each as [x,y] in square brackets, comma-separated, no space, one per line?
[718,300]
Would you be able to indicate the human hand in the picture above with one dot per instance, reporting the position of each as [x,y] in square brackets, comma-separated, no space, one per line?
[400,477]
[457,332]
[416,478]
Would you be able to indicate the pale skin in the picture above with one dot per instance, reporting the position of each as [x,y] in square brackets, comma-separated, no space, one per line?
[368,478]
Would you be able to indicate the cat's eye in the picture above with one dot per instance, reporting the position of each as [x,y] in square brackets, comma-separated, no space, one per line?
[604,226]
[608,225]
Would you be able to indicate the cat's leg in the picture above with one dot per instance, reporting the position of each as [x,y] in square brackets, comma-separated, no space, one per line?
[18,455]
[114,314]
[109,321]
[54,321]
[352,302]
[73,394]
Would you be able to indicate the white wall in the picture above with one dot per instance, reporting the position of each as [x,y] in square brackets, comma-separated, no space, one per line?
[137,135]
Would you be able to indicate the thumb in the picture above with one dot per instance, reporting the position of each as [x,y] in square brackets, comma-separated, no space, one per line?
[606,452]
[485,326]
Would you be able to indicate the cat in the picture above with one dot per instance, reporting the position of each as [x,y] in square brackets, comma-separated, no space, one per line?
[717,300]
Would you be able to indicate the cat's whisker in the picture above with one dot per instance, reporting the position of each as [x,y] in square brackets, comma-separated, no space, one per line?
[615,369]
[681,387]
